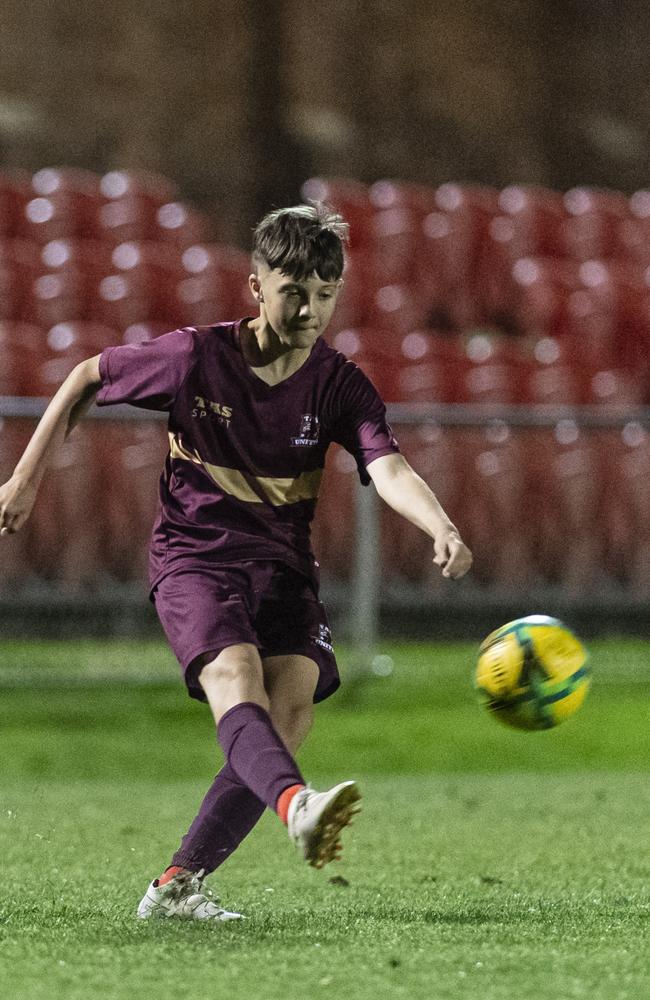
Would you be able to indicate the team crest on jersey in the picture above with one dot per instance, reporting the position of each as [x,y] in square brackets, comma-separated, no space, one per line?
[309,426]
[324,638]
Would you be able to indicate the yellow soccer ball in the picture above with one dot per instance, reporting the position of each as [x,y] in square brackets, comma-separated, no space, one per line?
[532,673]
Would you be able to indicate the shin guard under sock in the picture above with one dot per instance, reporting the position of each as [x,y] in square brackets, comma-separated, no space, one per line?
[256,753]
[228,813]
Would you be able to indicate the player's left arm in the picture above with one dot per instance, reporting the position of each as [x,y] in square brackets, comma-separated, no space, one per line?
[407,493]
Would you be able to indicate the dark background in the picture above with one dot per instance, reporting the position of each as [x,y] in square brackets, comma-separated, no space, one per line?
[239,101]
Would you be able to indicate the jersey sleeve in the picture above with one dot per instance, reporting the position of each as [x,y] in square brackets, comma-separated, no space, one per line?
[148,375]
[361,426]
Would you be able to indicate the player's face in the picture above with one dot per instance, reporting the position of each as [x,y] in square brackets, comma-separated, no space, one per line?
[298,311]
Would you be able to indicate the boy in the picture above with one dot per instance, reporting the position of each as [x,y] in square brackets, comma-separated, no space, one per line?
[253,406]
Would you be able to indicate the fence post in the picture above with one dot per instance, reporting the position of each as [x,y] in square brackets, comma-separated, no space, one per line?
[364,613]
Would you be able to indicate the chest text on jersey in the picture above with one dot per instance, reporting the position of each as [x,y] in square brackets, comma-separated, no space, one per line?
[205,407]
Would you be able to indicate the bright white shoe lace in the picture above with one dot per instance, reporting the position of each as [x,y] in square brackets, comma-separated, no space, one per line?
[183,897]
[315,820]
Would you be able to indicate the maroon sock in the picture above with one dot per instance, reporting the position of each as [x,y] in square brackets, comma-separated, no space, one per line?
[228,813]
[256,753]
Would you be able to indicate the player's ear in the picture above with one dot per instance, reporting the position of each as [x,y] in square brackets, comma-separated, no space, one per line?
[255,287]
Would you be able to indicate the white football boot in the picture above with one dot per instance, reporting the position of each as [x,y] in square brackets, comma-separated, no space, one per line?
[183,897]
[315,820]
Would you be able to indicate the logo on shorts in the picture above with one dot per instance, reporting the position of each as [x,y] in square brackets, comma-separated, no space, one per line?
[324,638]
[309,426]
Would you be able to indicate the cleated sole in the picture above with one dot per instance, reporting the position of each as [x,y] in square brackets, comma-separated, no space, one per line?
[324,845]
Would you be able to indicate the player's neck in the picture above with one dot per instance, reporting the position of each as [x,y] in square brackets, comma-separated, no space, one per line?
[269,358]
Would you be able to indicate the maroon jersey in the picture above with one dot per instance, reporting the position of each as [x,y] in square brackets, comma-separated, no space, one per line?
[245,462]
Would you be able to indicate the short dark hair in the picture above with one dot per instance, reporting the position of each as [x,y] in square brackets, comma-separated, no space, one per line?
[302,240]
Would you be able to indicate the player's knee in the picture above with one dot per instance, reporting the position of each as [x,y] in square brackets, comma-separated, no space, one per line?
[234,670]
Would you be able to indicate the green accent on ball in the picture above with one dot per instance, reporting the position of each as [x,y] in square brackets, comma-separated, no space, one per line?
[540,693]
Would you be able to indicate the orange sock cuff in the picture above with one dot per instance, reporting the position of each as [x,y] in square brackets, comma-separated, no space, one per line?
[283,803]
[169,873]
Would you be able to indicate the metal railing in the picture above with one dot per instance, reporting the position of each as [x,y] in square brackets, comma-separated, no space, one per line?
[364,595]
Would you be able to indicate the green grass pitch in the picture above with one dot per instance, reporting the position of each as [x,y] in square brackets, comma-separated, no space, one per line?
[487,864]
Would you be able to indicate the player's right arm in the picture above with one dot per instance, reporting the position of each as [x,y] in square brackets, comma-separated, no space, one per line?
[73,399]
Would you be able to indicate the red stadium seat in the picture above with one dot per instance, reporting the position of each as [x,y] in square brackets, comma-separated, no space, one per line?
[51,181]
[586,201]
[594,220]
[84,337]
[158,266]
[623,290]
[130,458]
[65,533]
[399,307]
[571,370]
[202,300]
[20,346]
[615,387]
[162,257]
[396,230]
[479,368]
[442,269]
[88,256]
[14,437]
[551,377]
[432,367]
[396,242]
[587,330]
[634,232]
[495,372]
[58,296]
[626,526]
[530,226]
[63,215]
[23,254]
[16,282]
[224,271]
[117,184]
[353,307]
[204,257]
[62,347]
[376,352]
[131,218]
[541,288]
[333,536]
[385,195]
[438,455]
[133,296]
[536,215]
[565,500]
[476,203]
[493,507]
[181,225]
[133,200]
[448,262]
[15,192]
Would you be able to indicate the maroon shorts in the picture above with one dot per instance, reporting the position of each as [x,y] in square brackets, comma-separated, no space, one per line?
[264,603]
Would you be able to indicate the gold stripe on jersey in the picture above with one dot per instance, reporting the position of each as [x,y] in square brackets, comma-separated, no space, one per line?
[253,489]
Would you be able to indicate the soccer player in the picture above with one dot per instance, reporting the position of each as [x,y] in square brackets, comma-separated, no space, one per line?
[253,406]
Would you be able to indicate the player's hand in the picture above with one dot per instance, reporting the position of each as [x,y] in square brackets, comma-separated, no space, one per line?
[452,555]
[16,501]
